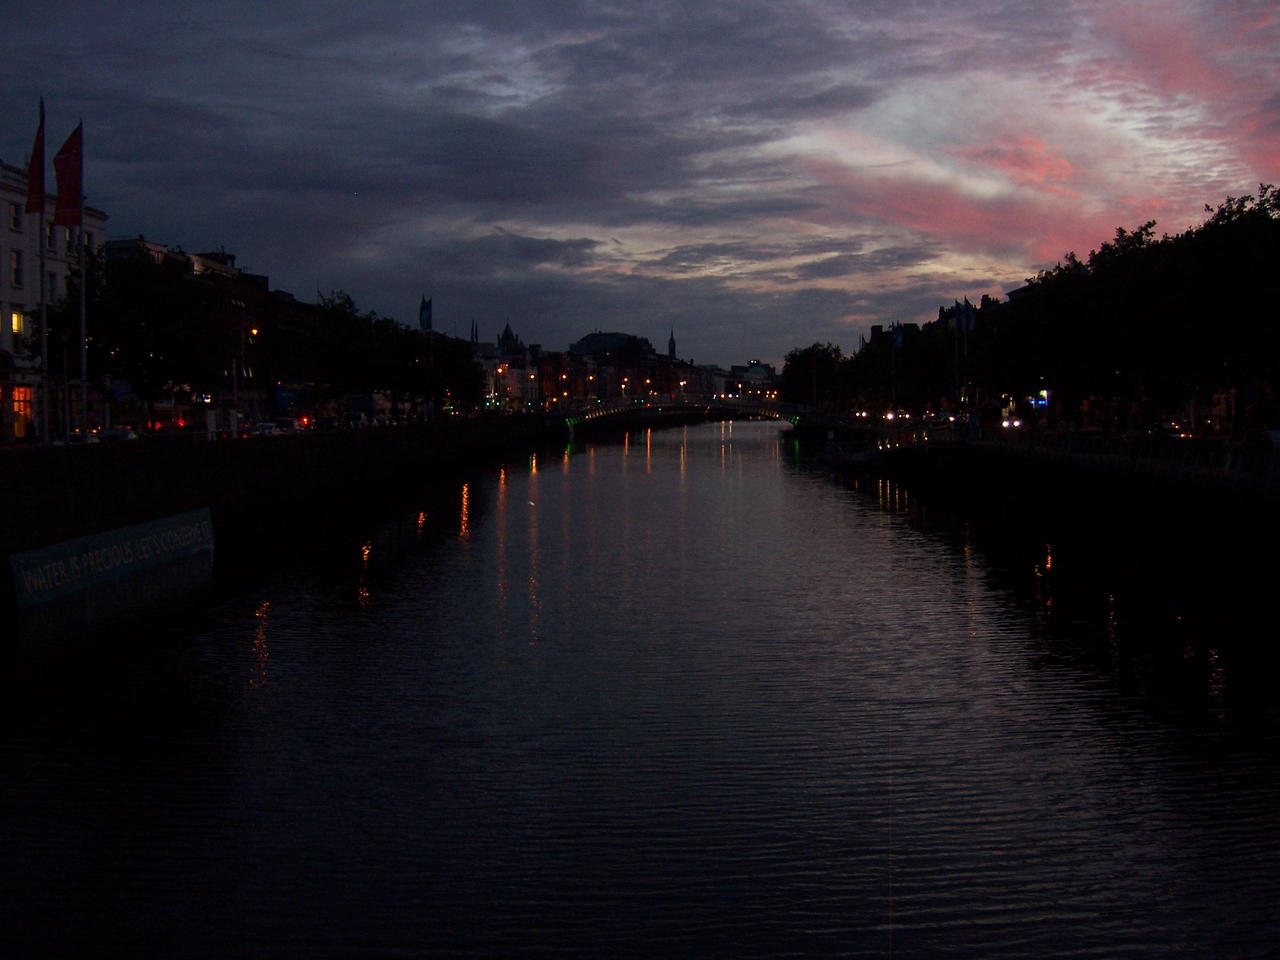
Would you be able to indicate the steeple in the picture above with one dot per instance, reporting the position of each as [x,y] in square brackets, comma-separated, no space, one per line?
[671,345]
[508,342]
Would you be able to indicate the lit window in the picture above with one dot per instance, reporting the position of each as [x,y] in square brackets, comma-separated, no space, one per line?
[22,411]
[18,322]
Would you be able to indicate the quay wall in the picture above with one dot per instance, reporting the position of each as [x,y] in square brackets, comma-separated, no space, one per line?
[1178,481]
[54,494]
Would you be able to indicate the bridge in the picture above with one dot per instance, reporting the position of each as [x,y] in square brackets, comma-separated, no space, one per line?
[669,411]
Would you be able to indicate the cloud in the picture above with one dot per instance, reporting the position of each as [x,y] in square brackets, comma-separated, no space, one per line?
[1026,162]
[798,104]
[501,252]
[861,264]
[756,176]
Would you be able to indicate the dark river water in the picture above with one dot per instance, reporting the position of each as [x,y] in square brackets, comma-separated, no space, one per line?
[679,696]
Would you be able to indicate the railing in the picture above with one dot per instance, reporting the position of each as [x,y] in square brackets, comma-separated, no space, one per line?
[624,406]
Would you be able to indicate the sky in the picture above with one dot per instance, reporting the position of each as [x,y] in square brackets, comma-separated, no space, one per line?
[754,177]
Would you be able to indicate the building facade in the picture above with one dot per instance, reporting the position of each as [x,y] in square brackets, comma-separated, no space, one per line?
[24,285]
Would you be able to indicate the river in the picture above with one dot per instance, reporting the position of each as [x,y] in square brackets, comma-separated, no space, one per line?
[678,695]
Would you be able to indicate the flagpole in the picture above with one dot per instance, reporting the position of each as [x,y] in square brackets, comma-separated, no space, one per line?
[84,282]
[68,164]
[42,240]
[84,340]
[36,204]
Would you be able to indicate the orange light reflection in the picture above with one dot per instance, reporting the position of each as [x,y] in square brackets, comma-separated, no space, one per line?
[258,676]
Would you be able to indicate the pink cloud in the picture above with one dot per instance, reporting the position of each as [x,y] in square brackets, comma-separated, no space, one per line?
[1164,48]
[1020,231]
[1220,58]
[1027,162]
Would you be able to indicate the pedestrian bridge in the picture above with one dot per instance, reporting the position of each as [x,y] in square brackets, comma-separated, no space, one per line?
[624,411]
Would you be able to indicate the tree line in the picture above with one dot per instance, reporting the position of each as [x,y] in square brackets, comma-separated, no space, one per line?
[1143,329]
[167,332]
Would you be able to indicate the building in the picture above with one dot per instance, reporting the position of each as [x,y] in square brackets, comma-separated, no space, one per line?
[240,315]
[511,369]
[22,287]
[753,381]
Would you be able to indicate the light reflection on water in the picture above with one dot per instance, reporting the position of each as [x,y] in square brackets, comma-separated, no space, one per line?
[258,676]
[679,697]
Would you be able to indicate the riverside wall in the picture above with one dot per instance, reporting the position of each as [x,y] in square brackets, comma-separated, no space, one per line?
[54,494]
[1199,489]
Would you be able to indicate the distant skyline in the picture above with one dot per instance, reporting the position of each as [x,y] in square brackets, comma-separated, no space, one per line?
[757,177]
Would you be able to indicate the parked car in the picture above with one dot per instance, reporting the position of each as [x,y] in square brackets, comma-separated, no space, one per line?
[78,439]
[118,434]
[1170,430]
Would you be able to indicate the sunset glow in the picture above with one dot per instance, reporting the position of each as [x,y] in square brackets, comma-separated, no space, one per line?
[753,177]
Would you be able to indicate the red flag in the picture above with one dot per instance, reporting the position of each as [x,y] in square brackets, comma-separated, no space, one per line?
[68,165]
[35,169]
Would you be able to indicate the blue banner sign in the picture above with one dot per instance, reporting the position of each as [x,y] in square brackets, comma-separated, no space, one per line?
[73,566]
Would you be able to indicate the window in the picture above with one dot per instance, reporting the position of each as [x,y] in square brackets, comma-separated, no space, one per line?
[51,238]
[18,322]
[15,269]
[71,241]
[22,412]
[15,217]
[51,291]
